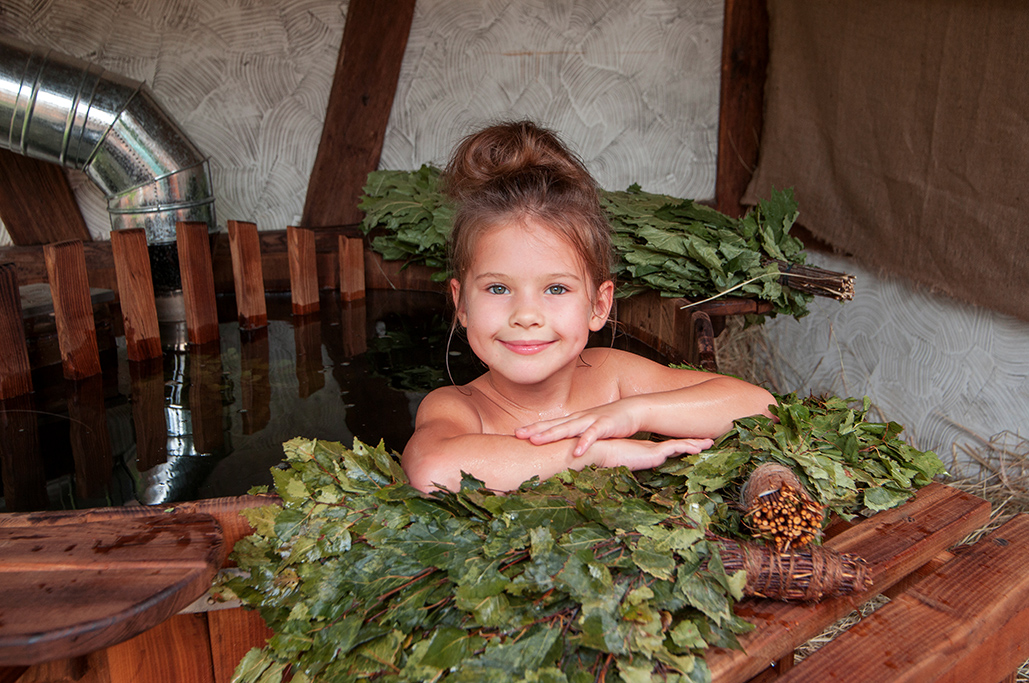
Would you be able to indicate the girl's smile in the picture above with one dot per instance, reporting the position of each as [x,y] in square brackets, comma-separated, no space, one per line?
[526,303]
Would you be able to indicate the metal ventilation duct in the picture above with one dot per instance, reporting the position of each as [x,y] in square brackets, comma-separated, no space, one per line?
[65,110]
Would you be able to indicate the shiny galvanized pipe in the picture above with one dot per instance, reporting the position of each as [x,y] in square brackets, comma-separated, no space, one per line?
[65,110]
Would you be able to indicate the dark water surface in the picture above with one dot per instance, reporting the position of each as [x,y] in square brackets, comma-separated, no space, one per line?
[204,422]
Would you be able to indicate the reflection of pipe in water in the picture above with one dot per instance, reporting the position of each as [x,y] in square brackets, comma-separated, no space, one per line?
[67,111]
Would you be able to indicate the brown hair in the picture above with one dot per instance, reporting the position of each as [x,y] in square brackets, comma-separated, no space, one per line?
[512,171]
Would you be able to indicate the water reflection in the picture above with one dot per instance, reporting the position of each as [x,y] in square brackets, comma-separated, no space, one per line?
[208,421]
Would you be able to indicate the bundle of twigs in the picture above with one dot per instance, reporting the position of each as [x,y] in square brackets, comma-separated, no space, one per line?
[806,575]
[814,280]
[778,509]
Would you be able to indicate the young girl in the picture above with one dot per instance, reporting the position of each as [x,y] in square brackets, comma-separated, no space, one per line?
[530,258]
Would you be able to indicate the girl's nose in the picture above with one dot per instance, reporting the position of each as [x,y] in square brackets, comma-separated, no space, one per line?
[526,313]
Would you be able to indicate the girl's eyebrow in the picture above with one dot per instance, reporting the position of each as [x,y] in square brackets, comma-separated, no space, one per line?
[549,276]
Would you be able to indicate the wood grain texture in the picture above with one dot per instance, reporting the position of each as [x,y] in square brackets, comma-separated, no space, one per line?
[370,56]
[197,282]
[351,268]
[15,369]
[30,264]
[37,205]
[967,621]
[68,589]
[136,294]
[233,633]
[73,308]
[741,106]
[248,275]
[175,651]
[303,270]
[894,543]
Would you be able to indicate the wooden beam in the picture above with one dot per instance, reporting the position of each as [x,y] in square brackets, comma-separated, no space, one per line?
[37,204]
[303,270]
[372,50]
[15,369]
[136,293]
[197,282]
[247,275]
[741,107]
[73,309]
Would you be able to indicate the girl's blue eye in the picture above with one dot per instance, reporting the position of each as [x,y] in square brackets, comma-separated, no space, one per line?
[497,289]
[556,289]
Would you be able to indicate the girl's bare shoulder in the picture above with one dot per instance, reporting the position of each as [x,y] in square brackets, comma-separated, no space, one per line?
[635,373]
[450,404]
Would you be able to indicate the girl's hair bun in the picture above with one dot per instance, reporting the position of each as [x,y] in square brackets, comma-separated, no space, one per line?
[503,152]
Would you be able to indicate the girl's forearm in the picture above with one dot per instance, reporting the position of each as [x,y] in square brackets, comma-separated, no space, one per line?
[701,410]
[501,462]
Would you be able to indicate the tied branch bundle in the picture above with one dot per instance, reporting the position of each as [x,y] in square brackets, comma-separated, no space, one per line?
[778,509]
[807,575]
[815,280]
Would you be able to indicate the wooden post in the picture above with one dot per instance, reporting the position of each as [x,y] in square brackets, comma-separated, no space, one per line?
[90,440]
[148,414]
[303,270]
[351,268]
[363,88]
[15,370]
[254,383]
[247,274]
[741,109]
[37,204]
[73,309]
[21,463]
[197,282]
[136,293]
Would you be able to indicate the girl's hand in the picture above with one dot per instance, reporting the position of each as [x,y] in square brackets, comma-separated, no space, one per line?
[638,454]
[610,421]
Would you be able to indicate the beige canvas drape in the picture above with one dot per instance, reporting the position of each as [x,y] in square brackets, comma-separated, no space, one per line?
[903,127]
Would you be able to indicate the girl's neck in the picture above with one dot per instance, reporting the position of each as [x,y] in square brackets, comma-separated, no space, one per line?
[534,402]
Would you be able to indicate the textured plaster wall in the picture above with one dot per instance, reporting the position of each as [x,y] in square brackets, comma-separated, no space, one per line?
[632,85]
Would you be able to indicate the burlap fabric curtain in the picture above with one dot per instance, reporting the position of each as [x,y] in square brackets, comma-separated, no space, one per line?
[903,127]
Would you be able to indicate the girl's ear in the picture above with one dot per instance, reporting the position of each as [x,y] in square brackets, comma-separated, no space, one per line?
[602,305]
[459,307]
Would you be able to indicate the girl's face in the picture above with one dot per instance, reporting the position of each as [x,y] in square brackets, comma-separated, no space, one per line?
[526,302]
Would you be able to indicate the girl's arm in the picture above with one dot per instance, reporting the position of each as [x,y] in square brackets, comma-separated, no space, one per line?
[448,441]
[659,399]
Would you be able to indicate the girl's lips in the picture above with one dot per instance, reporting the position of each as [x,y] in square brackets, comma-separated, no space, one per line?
[526,348]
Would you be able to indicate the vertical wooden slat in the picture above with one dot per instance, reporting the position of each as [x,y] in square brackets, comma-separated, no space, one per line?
[73,309]
[136,293]
[233,633]
[90,439]
[37,204]
[370,56]
[175,651]
[255,385]
[303,269]
[194,248]
[148,413]
[351,268]
[21,463]
[307,336]
[247,275]
[15,370]
[741,109]
[205,398]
